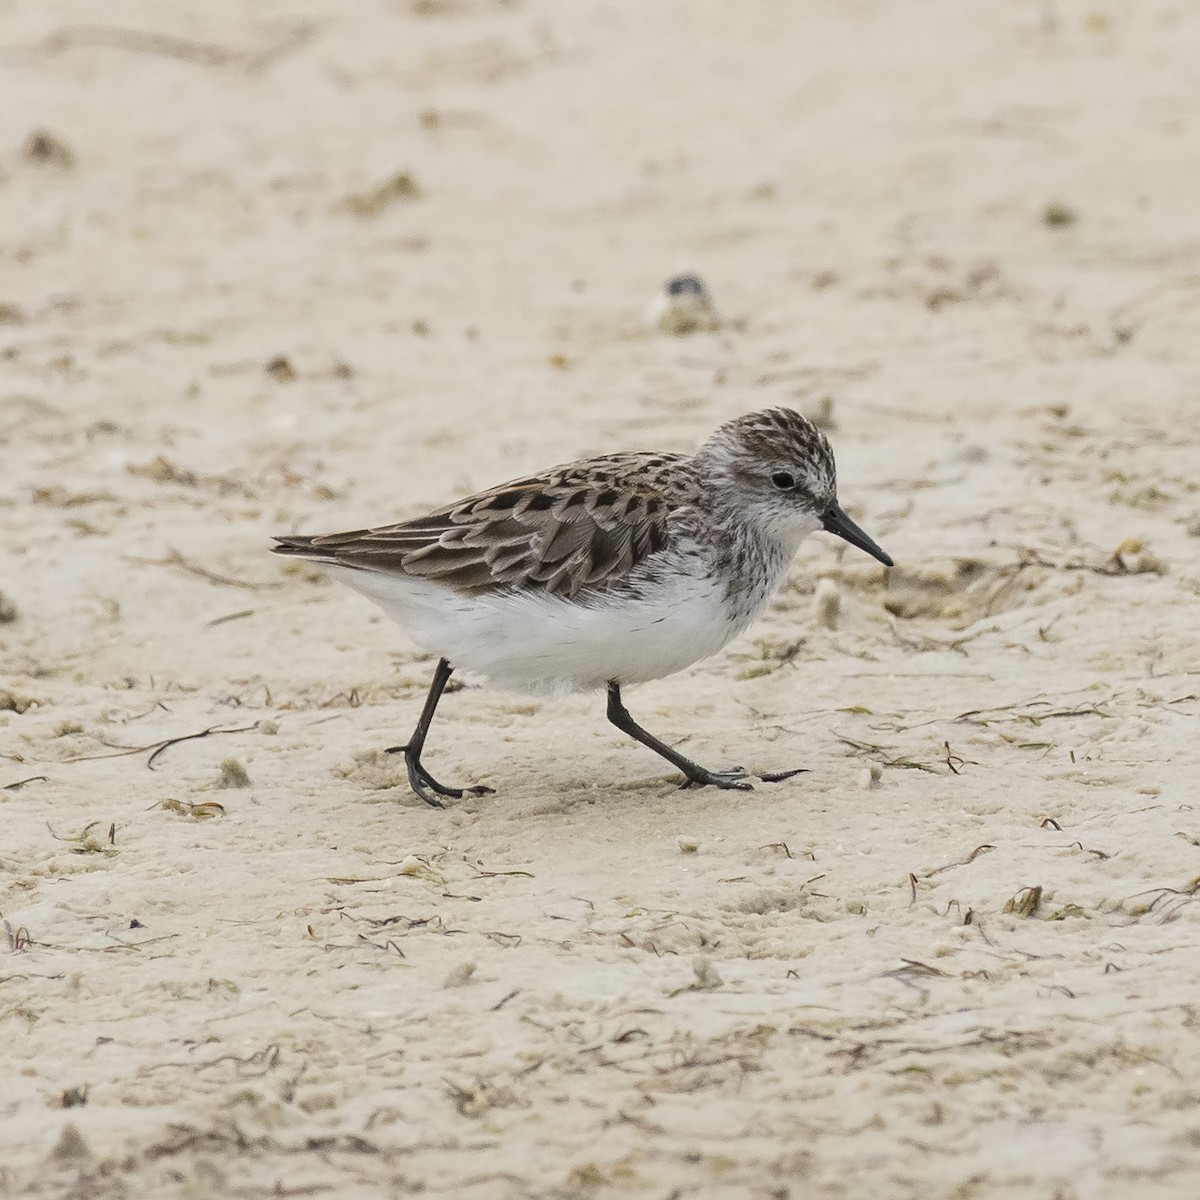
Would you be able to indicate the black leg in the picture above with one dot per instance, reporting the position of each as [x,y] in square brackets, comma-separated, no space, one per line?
[420,779]
[695,774]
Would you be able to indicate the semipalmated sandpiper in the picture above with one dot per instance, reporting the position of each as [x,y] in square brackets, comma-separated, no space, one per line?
[600,573]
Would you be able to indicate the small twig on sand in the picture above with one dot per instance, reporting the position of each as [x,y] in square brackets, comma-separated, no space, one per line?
[174,559]
[20,783]
[157,749]
[961,862]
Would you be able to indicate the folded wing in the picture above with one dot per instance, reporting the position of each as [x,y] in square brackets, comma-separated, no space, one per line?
[560,534]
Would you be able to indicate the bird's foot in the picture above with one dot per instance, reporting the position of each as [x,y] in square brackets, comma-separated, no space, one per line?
[730,779]
[736,778]
[420,780]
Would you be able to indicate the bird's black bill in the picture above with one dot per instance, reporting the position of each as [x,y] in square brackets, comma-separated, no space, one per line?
[836,521]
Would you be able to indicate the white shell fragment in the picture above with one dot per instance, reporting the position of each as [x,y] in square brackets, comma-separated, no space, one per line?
[870,777]
[827,604]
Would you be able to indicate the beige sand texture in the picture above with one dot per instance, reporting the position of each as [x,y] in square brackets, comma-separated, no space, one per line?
[293,265]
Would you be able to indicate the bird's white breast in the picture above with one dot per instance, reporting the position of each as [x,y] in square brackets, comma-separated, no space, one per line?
[533,642]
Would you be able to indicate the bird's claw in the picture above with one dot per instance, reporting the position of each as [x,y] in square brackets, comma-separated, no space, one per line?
[730,779]
[780,776]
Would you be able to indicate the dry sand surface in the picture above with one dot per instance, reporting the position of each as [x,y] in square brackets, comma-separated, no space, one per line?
[293,265]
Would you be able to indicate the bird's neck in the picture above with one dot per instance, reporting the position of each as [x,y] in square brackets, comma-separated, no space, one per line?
[751,561]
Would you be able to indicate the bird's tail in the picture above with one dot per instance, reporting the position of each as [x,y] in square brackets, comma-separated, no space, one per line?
[294,545]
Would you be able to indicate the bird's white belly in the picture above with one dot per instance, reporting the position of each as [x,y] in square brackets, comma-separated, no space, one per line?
[532,642]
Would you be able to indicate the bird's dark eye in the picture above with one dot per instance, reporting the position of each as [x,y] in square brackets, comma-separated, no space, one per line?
[783,481]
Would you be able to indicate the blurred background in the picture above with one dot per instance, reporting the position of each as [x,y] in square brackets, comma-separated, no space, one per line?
[290,249]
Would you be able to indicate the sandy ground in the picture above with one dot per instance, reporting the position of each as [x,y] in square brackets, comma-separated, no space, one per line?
[300,266]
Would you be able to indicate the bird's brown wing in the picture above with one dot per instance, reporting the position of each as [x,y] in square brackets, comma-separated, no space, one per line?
[559,533]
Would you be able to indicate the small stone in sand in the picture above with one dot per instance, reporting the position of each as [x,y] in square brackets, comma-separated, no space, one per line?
[1131,557]
[687,845]
[460,975]
[683,306]
[1058,215]
[70,1147]
[707,977]
[281,370]
[49,150]
[233,774]
[400,187]
[827,604]
[821,414]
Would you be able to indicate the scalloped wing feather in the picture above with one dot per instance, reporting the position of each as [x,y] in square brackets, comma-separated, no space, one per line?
[574,529]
